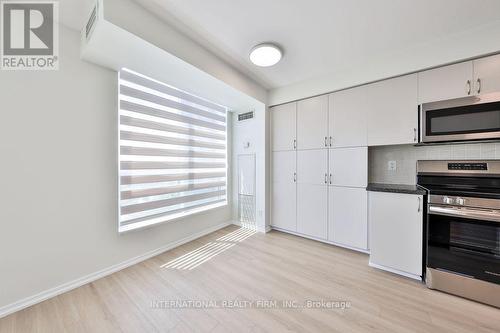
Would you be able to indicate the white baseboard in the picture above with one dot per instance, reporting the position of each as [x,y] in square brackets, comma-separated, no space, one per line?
[44,295]
[322,240]
[395,271]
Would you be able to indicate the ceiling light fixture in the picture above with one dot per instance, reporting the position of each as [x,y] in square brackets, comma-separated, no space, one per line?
[265,55]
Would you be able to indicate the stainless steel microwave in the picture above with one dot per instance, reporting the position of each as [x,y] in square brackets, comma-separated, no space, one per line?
[461,119]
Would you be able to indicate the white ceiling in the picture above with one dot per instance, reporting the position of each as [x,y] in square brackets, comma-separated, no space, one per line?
[320,37]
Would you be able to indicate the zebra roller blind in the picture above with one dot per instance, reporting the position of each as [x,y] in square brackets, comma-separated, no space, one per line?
[173,152]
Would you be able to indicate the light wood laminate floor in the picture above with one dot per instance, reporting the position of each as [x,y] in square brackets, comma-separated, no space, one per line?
[233,264]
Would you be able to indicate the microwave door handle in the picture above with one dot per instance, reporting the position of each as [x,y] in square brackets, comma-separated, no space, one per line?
[473,214]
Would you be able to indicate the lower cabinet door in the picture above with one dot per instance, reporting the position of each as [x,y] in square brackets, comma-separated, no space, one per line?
[348,217]
[283,212]
[396,231]
[312,208]
[284,192]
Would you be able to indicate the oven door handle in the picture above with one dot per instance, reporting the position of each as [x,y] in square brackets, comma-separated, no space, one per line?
[474,214]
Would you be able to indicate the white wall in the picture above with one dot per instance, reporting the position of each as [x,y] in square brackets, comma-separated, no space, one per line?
[252,131]
[58,178]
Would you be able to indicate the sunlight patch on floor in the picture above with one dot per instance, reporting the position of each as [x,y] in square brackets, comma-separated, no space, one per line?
[204,253]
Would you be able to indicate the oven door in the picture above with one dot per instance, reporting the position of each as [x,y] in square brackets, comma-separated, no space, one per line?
[464,241]
[468,118]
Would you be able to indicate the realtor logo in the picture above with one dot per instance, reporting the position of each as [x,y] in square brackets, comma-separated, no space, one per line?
[29,35]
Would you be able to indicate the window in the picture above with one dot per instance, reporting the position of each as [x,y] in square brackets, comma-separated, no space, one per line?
[173,152]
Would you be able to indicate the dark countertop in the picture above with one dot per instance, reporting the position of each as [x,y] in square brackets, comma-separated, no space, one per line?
[396,188]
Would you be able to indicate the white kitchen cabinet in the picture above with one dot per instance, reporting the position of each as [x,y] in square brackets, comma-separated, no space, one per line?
[331,129]
[321,193]
[393,116]
[284,166]
[312,123]
[487,75]
[284,192]
[348,117]
[312,166]
[446,82]
[312,192]
[283,127]
[347,217]
[348,167]
[312,210]
[396,232]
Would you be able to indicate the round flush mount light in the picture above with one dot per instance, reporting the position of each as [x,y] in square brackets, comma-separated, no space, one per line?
[265,55]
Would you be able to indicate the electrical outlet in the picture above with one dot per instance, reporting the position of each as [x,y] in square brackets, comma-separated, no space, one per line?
[391,165]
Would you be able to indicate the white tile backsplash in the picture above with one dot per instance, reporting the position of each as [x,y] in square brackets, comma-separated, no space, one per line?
[458,152]
[406,157]
[488,151]
[473,151]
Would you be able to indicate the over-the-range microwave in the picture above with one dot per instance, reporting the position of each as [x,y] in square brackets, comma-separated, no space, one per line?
[461,119]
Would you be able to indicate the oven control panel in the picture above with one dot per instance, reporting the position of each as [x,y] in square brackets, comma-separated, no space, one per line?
[453,201]
[467,166]
[462,202]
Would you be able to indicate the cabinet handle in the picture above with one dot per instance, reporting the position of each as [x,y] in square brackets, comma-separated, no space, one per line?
[326,141]
[414,134]
[419,208]
[478,86]
[294,143]
[294,177]
[468,87]
[326,178]
[330,179]
[330,141]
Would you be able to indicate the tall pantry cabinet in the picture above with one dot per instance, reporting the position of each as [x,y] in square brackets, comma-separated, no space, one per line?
[312,167]
[319,178]
[284,173]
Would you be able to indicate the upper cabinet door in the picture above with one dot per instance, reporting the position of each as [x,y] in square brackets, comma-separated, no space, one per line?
[444,83]
[283,122]
[487,75]
[331,134]
[347,111]
[393,116]
[312,123]
[348,167]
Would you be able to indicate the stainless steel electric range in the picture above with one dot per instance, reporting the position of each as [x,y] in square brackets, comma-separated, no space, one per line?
[463,227]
